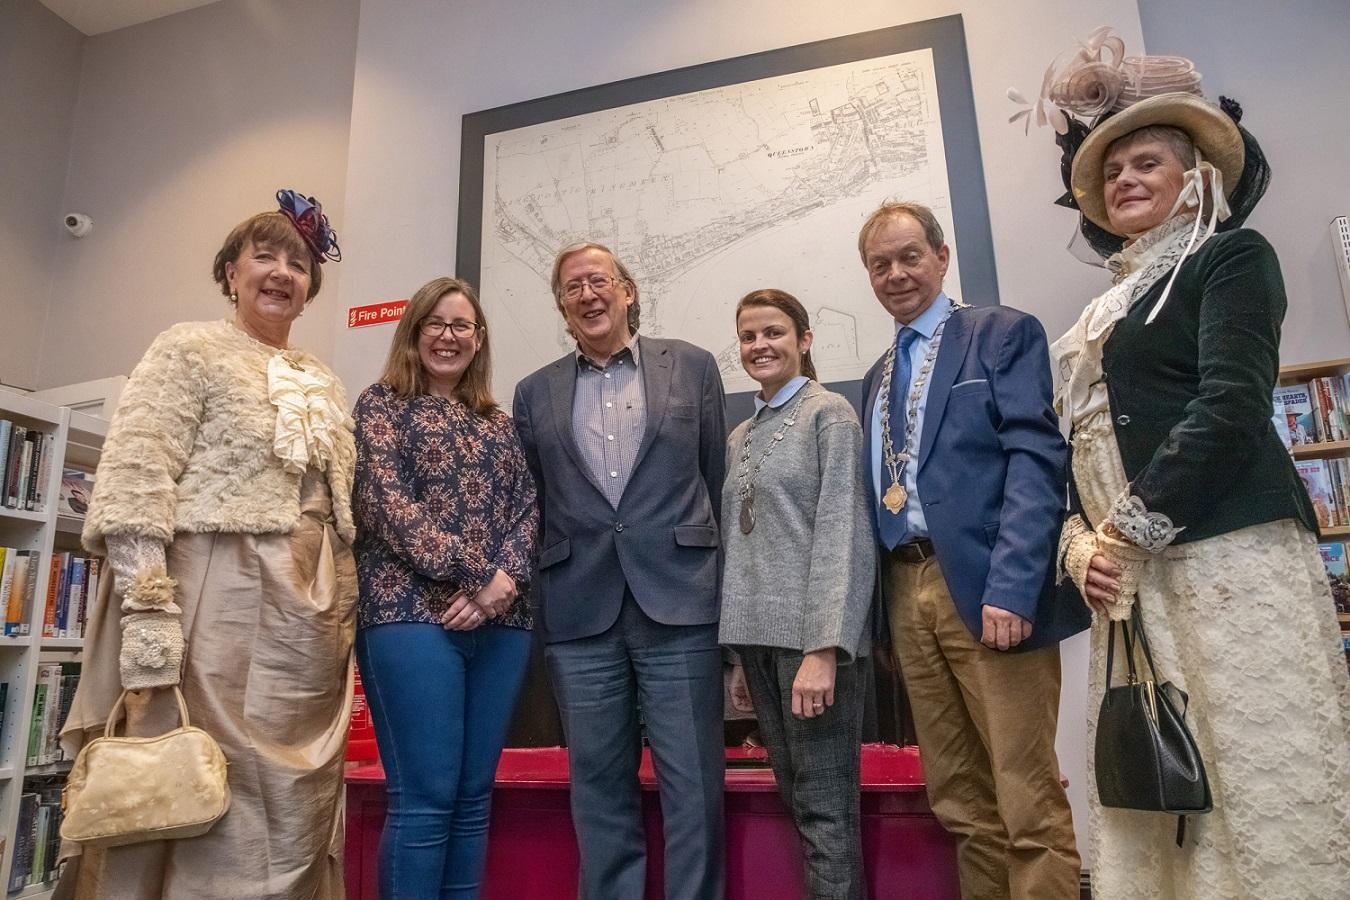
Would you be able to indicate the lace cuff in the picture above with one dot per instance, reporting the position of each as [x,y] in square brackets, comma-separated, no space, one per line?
[139,575]
[1150,530]
[1077,546]
[1131,560]
[1074,528]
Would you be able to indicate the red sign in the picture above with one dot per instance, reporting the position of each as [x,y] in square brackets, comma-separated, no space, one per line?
[375,313]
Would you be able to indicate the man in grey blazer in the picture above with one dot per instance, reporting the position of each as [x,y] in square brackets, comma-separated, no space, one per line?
[627,440]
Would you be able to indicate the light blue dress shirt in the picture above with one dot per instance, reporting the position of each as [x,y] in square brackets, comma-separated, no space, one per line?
[925,325]
[785,393]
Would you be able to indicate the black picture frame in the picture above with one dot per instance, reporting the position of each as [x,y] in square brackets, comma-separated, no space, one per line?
[944,36]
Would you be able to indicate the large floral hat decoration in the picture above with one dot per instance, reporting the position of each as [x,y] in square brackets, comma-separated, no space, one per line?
[1092,94]
[307,215]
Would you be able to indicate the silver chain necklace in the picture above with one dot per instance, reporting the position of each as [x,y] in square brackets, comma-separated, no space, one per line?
[745,485]
[896,495]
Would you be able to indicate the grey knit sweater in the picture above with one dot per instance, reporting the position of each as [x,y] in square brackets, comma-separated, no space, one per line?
[803,578]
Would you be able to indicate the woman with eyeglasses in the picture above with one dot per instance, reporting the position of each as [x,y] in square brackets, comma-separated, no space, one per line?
[446,523]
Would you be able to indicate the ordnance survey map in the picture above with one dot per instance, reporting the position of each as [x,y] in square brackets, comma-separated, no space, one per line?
[711,194]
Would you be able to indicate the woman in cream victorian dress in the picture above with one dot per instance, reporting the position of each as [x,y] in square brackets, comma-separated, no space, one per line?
[230,459]
[1232,593]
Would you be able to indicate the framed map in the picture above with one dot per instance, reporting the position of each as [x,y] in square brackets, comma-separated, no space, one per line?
[718,179]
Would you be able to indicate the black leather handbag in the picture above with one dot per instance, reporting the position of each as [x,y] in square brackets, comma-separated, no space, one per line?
[1146,757]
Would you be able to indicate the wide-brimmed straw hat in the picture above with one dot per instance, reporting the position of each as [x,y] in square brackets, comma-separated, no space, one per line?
[1092,94]
[1212,131]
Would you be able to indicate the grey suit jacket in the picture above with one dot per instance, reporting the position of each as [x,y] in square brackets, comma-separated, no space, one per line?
[662,541]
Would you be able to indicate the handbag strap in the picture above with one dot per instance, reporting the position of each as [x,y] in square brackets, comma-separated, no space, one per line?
[1129,650]
[1137,619]
[110,729]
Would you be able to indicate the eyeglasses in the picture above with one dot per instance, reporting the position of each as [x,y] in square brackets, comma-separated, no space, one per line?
[573,289]
[459,328]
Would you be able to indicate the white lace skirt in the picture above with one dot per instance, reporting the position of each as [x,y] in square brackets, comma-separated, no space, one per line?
[1244,623]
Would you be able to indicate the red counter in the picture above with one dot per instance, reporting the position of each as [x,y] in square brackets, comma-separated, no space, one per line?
[532,852]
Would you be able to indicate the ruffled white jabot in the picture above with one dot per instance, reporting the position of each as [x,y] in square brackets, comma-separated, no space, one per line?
[308,418]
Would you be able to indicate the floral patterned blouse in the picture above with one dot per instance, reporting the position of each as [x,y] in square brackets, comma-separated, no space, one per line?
[442,499]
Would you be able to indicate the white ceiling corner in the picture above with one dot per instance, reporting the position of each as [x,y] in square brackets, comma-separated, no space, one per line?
[97,16]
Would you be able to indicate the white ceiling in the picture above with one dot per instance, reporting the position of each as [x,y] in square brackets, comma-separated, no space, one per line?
[97,16]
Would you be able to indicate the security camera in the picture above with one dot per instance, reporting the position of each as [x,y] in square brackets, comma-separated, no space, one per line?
[78,224]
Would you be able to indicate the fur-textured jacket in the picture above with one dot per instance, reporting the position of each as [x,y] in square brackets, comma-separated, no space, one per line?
[190,447]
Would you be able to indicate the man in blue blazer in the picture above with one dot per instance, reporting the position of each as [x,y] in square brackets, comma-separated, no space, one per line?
[968,468]
[626,438]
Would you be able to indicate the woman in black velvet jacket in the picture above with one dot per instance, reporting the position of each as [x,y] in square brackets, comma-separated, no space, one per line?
[1188,505]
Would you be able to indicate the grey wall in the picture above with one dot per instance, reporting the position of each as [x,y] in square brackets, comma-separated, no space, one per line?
[185,126]
[39,78]
[1289,66]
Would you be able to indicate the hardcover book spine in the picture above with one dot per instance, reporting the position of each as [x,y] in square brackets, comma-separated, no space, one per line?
[30,592]
[6,427]
[34,466]
[17,589]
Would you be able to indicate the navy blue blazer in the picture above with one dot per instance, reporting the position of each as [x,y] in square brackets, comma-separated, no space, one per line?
[992,472]
[662,543]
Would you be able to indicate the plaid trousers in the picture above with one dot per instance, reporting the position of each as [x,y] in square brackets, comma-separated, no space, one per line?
[816,763]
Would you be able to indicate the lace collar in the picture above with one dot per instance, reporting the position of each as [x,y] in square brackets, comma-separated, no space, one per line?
[1145,248]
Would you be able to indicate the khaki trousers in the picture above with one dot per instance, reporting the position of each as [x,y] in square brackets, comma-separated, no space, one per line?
[986,722]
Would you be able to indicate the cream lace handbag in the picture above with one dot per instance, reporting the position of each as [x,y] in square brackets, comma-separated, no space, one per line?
[124,790]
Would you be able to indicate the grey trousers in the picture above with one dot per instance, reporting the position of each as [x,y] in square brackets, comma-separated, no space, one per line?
[674,672]
[817,764]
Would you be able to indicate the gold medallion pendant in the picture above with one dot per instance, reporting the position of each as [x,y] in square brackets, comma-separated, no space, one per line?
[894,498]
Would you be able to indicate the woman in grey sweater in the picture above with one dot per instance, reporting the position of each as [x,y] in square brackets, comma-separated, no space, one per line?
[800,564]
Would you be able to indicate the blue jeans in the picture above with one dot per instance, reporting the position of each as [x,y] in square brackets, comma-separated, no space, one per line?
[441,702]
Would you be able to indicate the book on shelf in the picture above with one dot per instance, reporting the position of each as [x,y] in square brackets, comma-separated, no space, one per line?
[9,486]
[1294,404]
[49,750]
[68,586]
[1316,477]
[76,489]
[56,684]
[1315,412]
[25,466]
[1334,560]
[1281,422]
[37,838]
[21,866]
[6,431]
[35,719]
[18,582]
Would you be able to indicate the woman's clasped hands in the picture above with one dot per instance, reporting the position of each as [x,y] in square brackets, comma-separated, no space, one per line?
[466,613]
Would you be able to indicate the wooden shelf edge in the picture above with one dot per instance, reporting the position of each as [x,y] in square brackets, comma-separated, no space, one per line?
[1332,532]
[1304,371]
[1320,450]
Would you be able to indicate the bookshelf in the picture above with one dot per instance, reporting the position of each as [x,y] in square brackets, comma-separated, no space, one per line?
[76,442]
[1331,450]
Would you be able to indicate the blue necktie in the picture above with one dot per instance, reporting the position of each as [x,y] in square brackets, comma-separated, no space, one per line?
[894,527]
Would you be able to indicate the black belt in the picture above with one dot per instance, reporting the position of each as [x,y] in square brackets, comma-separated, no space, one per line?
[913,551]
